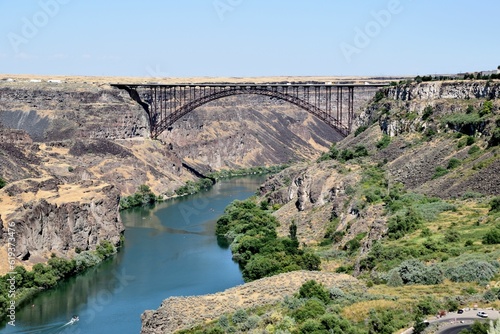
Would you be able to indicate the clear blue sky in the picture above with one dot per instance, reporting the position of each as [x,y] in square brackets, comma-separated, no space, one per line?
[241,38]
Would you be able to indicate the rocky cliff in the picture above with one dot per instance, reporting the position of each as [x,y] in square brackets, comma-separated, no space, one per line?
[332,197]
[428,124]
[55,217]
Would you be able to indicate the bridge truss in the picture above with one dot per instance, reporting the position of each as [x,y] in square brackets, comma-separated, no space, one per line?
[167,103]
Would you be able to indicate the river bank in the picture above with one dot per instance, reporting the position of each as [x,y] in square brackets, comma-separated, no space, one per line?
[170,250]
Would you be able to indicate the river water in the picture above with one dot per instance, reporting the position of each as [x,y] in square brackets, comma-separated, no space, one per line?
[170,250]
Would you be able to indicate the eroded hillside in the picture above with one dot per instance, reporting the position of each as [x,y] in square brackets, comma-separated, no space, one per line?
[409,204]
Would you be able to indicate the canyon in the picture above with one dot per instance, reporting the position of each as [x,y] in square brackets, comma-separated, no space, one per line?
[72,142]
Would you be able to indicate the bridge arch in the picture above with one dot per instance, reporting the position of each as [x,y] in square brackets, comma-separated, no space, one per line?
[185,109]
[167,103]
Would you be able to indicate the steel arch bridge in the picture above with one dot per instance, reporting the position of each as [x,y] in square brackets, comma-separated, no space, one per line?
[167,103]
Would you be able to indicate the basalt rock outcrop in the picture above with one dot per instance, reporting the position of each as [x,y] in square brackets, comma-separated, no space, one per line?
[54,217]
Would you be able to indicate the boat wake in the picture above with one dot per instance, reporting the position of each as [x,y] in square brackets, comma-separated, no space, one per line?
[54,328]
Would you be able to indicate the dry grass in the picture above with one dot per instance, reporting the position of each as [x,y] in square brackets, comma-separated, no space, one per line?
[360,311]
[101,80]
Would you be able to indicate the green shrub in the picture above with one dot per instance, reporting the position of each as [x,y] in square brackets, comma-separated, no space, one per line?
[470,140]
[415,272]
[384,142]
[142,196]
[312,289]
[486,109]
[312,309]
[360,130]
[332,323]
[495,204]
[381,322]
[429,133]
[379,95]
[311,326]
[105,249]
[394,279]
[346,155]
[215,330]
[251,323]
[492,237]
[452,236]
[428,111]
[2,183]
[490,295]
[360,151]
[336,293]
[240,316]
[478,327]
[473,149]
[403,223]
[426,232]
[259,266]
[332,153]
[453,163]
[471,194]
[471,271]
[495,138]
[439,171]
[428,306]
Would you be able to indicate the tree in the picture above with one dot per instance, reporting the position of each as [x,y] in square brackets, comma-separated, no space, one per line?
[487,108]
[381,323]
[312,289]
[420,325]
[495,204]
[260,266]
[477,328]
[492,237]
[394,279]
[494,325]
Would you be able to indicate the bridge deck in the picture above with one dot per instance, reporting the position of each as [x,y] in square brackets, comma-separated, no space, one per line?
[191,85]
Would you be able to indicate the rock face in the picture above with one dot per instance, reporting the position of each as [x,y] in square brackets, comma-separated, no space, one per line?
[404,120]
[463,90]
[313,195]
[52,217]
[50,112]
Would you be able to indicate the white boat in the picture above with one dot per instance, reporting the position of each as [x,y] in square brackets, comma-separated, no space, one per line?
[73,320]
